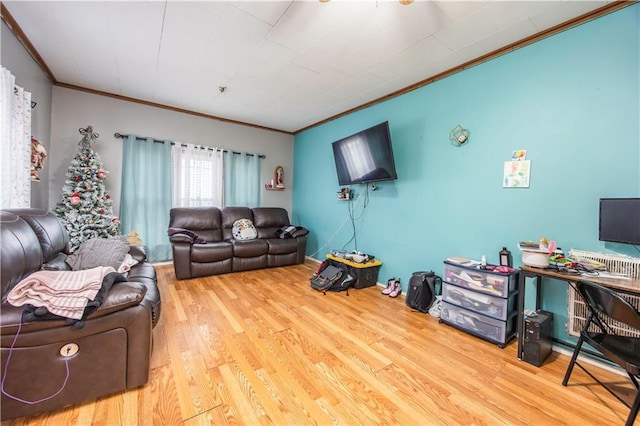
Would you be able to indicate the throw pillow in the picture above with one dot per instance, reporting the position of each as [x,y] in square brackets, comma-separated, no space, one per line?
[243,229]
[197,239]
[99,252]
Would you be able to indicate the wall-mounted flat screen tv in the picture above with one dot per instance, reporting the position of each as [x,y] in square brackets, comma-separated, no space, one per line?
[620,220]
[366,156]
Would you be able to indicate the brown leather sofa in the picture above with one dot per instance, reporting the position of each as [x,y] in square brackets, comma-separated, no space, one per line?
[49,364]
[220,253]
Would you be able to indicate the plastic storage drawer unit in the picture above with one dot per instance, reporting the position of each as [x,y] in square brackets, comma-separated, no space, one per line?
[483,303]
[474,323]
[493,283]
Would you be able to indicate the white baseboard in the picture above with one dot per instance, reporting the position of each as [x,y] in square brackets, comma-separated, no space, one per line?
[588,360]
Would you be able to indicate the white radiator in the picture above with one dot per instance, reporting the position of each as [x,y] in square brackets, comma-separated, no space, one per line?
[616,263]
[629,266]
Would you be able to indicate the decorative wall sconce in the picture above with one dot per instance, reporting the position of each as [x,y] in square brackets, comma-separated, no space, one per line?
[459,135]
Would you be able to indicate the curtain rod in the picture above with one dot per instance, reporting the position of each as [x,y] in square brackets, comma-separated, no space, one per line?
[122,136]
[15,92]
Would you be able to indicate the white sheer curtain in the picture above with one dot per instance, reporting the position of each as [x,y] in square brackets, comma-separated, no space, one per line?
[15,145]
[197,176]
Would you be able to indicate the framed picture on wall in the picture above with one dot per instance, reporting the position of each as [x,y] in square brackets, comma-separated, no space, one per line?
[278,177]
[516,174]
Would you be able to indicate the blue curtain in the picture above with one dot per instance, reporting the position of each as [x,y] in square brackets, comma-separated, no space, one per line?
[146,194]
[241,179]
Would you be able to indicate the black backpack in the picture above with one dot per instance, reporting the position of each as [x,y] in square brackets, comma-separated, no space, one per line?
[422,290]
[332,276]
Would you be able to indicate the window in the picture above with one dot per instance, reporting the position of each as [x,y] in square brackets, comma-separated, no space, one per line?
[197,176]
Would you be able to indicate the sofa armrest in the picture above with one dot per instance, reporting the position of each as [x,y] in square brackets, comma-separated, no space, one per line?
[138,253]
[300,232]
[121,296]
[181,238]
[181,258]
[182,234]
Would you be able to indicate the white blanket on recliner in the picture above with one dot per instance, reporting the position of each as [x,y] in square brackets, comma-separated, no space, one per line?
[63,293]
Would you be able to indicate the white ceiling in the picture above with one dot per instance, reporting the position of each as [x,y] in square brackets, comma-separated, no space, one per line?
[286,65]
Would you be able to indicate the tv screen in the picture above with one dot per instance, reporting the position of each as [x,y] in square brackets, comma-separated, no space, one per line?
[620,220]
[366,156]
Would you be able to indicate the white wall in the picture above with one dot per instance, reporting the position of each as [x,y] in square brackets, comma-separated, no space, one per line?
[72,110]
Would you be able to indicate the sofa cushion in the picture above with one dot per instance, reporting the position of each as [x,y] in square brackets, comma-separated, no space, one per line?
[58,263]
[21,254]
[269,219]
[229,215]
[205,221]
[51,233]
[211,252]
[282,246]
[250,248]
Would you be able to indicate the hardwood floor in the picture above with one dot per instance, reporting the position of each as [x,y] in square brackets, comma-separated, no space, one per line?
[261,347]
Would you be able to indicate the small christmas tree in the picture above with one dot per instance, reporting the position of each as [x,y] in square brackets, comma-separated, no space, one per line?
[86,207]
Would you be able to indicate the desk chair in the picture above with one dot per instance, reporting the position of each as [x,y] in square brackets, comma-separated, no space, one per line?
[604,303]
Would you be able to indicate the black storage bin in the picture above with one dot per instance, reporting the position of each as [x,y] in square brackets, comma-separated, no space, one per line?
[366,274]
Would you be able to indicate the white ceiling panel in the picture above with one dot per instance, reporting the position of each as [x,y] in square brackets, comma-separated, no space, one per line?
[516,31]
[456,10]
[286,64]
[290,77]
[426,51]
[564,12]
[424,20]
[267,11]
[467,30]
[370,18]
[294,34]
[504,14]
[267,60]
[330,47]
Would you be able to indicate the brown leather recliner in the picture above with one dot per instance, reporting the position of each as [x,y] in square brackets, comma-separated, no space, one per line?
[49,364]
[218,252]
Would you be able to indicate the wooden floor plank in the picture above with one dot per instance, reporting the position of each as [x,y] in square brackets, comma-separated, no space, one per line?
[263,348]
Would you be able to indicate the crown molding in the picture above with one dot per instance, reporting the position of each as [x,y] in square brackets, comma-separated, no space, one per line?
[579,20]
[589,16]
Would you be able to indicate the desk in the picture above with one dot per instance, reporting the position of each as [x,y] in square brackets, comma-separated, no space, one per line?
[628,286]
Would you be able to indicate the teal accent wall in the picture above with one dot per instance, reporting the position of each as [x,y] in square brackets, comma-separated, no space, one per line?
[571,100]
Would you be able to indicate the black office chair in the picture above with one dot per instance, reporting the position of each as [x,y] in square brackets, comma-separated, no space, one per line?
[604,303]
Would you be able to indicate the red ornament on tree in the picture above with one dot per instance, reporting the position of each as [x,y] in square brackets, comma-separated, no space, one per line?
[102,174]
[75,199]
